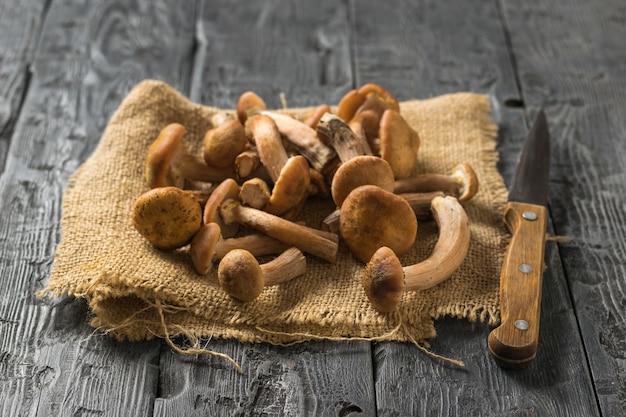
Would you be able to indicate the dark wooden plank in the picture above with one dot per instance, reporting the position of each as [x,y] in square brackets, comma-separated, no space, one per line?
[20,25]
[571,61]
[89,56]
[300,49]
[309,379]
[437,48]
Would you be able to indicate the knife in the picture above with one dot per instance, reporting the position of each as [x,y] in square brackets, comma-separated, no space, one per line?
[514,343]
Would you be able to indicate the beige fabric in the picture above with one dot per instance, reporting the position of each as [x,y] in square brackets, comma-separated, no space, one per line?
[136,292]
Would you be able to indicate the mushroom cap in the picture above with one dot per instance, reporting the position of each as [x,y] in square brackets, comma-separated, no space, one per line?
[399,144]
[203,246]
[167,217]
[382,94]
[160,154]
[468,180]
[240,275]
[360,170]
[349,104]
[249,104]
[290,187]
[383,280]
[226,190]
[224,143]
[372,217]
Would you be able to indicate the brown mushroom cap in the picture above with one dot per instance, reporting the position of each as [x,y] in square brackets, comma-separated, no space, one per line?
[383,280]
[372,217]
[240,275]
[224,143]
[399,144]
[167,217]
[160,154]
[249,104]
[361,170]
[290,187]
[203,247]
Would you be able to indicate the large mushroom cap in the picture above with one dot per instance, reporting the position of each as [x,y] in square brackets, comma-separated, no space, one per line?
[399,144]
[372,217]
[383,280]
[361,170]
[167,217]
[240,275]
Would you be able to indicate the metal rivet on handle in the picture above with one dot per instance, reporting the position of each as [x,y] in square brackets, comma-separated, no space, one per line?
[529,215]
[521,325]
[525,268]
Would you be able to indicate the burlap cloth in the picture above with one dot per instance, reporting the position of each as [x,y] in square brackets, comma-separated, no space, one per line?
[136,292]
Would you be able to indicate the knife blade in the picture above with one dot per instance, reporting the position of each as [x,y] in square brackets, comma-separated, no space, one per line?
[513,344]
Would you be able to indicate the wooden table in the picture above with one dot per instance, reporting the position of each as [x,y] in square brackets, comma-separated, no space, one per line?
[65,65]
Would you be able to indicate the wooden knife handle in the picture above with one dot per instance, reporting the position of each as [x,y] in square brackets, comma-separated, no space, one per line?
[514,343]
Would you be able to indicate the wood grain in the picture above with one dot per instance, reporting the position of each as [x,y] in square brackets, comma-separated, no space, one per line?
[20,25]
[579,77]
[88,58]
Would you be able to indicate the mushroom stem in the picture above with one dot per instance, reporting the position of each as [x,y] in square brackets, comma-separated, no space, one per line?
[462,183]
[338,135]
[304,139]
[385,279]
[243,278]
[449,251]
[316,242]
[269,145]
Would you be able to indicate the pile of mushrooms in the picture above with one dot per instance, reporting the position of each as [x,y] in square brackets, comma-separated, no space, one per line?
[258,168]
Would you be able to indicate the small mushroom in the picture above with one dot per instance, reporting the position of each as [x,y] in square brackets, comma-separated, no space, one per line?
[372,217]
[316,242]
[246,163]
[208,245]
[243,278]
[360,170]
[385,279]
[167,217]
[314,116]
[290,174]
[226,190]
[255,193]
[462,183]
[169,164]
[248,105]
[399,144]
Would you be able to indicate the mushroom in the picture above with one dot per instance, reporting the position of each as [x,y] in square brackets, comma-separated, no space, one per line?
[255,193]
[385,279]
[243,278]
[419,202]
[246,163]
[365,125]
[248,105]
[372,217]
[316,242]
[169,164]
[223,143]
[314,116]
[290,174]
[208,245]
[399,144]
[167,217]
[226,190]
[462,183]
[360,170]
